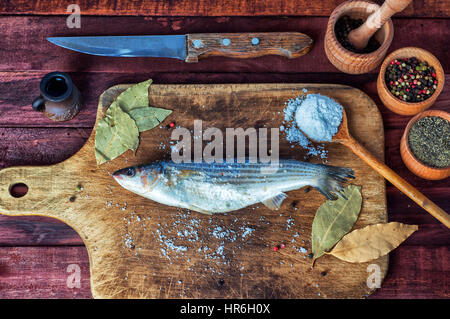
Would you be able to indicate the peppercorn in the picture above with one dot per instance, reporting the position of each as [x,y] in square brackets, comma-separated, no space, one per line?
[420,85]
[343,27]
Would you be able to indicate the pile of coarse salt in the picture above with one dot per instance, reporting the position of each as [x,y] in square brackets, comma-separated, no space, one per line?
[319,117]
[316,115]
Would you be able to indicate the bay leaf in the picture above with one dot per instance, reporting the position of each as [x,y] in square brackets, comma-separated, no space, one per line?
[135,96]
[128,130]
[334,219]
[115,133]
[372,242]
[147,118]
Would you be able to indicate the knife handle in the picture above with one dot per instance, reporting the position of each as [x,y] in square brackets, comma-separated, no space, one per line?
[247,45]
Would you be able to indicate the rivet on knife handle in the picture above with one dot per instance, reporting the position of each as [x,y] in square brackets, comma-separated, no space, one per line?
[247,45]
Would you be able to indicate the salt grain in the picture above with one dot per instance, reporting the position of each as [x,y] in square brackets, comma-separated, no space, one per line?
[293,133]
[319,117]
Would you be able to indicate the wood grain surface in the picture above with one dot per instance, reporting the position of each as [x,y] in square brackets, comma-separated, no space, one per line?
[417,269]
[17,112]
[240,45]
[432,8]
[139,248]
[28,50]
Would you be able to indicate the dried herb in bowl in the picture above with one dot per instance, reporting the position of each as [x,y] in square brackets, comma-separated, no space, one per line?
[429,141]
[411,80]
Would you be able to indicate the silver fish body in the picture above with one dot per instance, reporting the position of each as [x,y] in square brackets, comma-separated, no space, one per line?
[223,187]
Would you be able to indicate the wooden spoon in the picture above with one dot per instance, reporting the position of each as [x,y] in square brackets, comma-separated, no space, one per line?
[360,36]
[343,136]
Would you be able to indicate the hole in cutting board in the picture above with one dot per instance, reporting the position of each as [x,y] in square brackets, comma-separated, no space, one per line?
[18,190]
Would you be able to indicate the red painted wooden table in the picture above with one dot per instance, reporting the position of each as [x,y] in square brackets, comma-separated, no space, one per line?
[35,252]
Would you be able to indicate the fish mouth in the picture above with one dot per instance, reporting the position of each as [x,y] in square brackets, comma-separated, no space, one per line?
[118,175]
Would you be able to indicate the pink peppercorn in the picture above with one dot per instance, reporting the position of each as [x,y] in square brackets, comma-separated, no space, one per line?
[275,248]
[411,80]
[282,245]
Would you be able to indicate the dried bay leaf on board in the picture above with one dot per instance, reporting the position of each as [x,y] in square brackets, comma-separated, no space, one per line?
[127,115]
[128,130]
[372,242]
[147,118]
[334,219]
[107,144]
[134,101]
[135,96]
[115,133]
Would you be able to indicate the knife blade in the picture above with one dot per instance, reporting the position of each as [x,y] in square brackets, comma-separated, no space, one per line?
[191,47]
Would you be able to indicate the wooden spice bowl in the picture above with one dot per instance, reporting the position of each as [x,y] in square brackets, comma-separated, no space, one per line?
[402,107]
[345,60]
[413,164]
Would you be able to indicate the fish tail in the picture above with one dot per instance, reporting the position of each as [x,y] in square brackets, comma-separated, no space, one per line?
[330,180]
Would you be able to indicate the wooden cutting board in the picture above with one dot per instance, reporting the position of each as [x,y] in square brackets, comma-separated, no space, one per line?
[141,249]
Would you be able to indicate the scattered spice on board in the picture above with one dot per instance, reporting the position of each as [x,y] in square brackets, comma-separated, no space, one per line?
[411,80]
[429,141]
[293,133]
[343,27]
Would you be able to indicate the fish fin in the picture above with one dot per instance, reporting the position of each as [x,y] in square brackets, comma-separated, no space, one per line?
[330,183]
[199,210]
[274,203]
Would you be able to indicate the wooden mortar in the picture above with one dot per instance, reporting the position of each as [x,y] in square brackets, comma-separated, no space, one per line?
[402,107]
[345,60]
[414,165]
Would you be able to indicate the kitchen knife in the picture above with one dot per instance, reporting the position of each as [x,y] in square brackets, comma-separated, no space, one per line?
[191,47]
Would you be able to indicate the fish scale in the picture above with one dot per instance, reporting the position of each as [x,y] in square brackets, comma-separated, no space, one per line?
[242,169]
[248,172]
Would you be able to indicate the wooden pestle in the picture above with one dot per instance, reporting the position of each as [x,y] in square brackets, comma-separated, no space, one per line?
[360,37]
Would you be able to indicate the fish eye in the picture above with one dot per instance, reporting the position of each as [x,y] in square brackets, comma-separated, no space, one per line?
[131,172]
